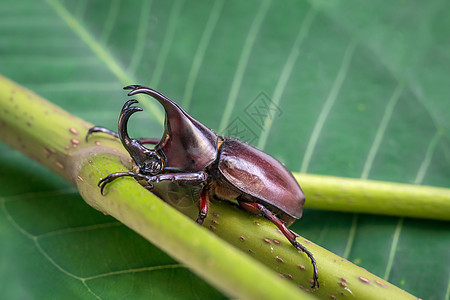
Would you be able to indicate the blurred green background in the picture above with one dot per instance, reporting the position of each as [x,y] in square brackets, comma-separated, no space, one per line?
[346,88]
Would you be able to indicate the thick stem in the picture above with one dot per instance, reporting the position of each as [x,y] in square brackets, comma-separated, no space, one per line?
[55,138]
[375,197]
[210,257]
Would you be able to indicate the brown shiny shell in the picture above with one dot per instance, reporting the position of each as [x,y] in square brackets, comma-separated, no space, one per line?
[187,145]
[261,178]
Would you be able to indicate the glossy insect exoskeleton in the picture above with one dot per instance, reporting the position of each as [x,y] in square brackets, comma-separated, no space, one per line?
[192,154]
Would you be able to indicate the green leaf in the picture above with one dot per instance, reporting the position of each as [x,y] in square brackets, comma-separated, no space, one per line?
[357,90]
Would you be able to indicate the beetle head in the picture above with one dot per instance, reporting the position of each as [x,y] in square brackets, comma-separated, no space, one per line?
[147,160]
[186,145]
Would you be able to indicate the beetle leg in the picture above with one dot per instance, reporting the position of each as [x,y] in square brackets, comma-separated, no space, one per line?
[257,208]
[116,135]
[195,178]
[203,206]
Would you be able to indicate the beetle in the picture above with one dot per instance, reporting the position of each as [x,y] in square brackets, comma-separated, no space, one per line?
[192,154]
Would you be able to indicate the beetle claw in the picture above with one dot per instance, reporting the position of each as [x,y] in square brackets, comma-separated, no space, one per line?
[100,129]
[88,134]
[102,183]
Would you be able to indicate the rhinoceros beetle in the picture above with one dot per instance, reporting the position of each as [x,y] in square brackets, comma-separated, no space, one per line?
[192,154]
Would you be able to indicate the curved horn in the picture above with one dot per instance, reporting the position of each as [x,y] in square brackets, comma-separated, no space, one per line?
[170,107]
[187,144]
[125,114]
[138,152]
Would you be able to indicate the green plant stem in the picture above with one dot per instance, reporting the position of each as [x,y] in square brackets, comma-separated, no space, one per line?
[53,137]
[176,234]
[375,197]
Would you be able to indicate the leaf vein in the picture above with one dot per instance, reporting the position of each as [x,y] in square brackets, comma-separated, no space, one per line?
[428,156]
[381,130]
[135,270]
[394,245]
[167,43]
[242,64]
[79,229]
[286,73]
[351,236]
[200,53]
[110,20]
[331,99]
[141,37]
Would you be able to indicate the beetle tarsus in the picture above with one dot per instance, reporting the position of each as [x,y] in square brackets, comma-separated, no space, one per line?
[313,262]
[102,183]
[101,129]
[150,179]
[257,208]
[201,217]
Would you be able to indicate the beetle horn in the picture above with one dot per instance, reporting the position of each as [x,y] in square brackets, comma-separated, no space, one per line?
[125,114]
[138,152]
[186,144]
